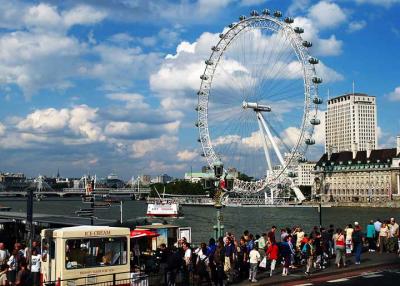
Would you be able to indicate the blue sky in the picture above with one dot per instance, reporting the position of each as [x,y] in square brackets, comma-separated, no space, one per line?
[105,86]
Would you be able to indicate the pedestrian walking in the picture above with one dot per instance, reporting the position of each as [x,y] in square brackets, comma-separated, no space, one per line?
[377,225]
[254,259]
[187,262]
[35,267]
[242,258]
[308,253]
[4,254]
[371,236]
[286,255]
[349,244]
[13,267]
[300,236]
[272,255]
[383,237]
[358,239]
[393,235]
[218,262]
[202,264]
[340,248]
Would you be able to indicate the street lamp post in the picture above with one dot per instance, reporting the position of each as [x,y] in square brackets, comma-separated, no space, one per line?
[218,172]
[29,216]
[318,189]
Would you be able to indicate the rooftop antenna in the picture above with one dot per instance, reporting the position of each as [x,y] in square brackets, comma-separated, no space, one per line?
[329,95]
[353,87]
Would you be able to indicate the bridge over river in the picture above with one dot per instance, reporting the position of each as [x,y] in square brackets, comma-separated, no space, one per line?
[133,193]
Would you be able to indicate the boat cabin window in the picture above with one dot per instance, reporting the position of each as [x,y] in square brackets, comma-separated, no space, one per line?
[95,252]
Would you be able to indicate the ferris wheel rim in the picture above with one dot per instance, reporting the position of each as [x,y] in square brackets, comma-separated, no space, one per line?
[308,74]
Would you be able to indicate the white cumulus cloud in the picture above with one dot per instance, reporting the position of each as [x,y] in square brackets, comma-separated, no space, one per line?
[45,120]
[186,155]
[395,95]
[356,26]
[327,14]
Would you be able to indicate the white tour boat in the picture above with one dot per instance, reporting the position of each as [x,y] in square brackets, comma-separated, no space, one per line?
[163,207]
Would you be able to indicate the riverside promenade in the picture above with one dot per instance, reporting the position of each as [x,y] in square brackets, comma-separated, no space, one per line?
[371,264]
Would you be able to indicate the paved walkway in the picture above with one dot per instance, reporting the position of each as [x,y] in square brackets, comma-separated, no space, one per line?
[297,277]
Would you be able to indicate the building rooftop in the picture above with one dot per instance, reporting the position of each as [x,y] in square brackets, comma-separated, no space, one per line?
[344,96]
[376,156]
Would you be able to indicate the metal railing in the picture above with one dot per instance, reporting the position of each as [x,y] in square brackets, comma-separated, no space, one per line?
[177,278]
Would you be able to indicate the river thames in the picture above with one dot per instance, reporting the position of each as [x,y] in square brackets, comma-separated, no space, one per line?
[235,219]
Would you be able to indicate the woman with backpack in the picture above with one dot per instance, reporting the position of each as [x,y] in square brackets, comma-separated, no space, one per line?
[202,263]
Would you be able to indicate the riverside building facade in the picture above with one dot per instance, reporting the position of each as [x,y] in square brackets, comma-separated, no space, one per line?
[349,119]
[359,176]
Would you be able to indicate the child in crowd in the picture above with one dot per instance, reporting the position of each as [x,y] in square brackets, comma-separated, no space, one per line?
[255,258]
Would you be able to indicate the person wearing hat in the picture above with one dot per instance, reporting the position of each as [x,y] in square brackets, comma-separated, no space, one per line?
[371,236]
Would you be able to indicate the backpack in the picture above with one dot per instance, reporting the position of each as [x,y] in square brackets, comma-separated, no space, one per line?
[306,250]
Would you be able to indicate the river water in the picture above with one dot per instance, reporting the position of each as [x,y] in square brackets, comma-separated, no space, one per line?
[235,219]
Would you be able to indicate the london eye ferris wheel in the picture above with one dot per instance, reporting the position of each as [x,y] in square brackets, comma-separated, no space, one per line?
[258,101]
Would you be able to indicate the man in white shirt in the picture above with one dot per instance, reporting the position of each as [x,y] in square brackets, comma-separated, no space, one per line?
[35,267]
[4,254]
[187,265]
[255,258]
[377,226]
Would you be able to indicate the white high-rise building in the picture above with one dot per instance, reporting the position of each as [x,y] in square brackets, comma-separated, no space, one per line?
[351,123]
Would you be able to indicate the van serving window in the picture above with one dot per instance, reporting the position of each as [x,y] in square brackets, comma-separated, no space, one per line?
[95,252]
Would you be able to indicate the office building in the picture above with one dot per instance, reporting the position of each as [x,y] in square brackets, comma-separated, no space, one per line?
[351,122]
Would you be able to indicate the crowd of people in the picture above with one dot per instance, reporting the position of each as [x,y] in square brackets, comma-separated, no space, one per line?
[235,258]
[20,266]
[231,258]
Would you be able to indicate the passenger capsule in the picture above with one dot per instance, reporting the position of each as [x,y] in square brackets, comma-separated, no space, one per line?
[215,49]
[201,92]
[241,18]
[307,44]
[289,20]
[254,13]
[317,100]
[266,12]
[204,77]
[196,124]
[299,30]
[209,62]
[277,14]
[198,140]
[313,61]
[310,141]
[203,155]
[197,108]
[315,121]
[232,25]
[317,80]
[221,35]
[292,174]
